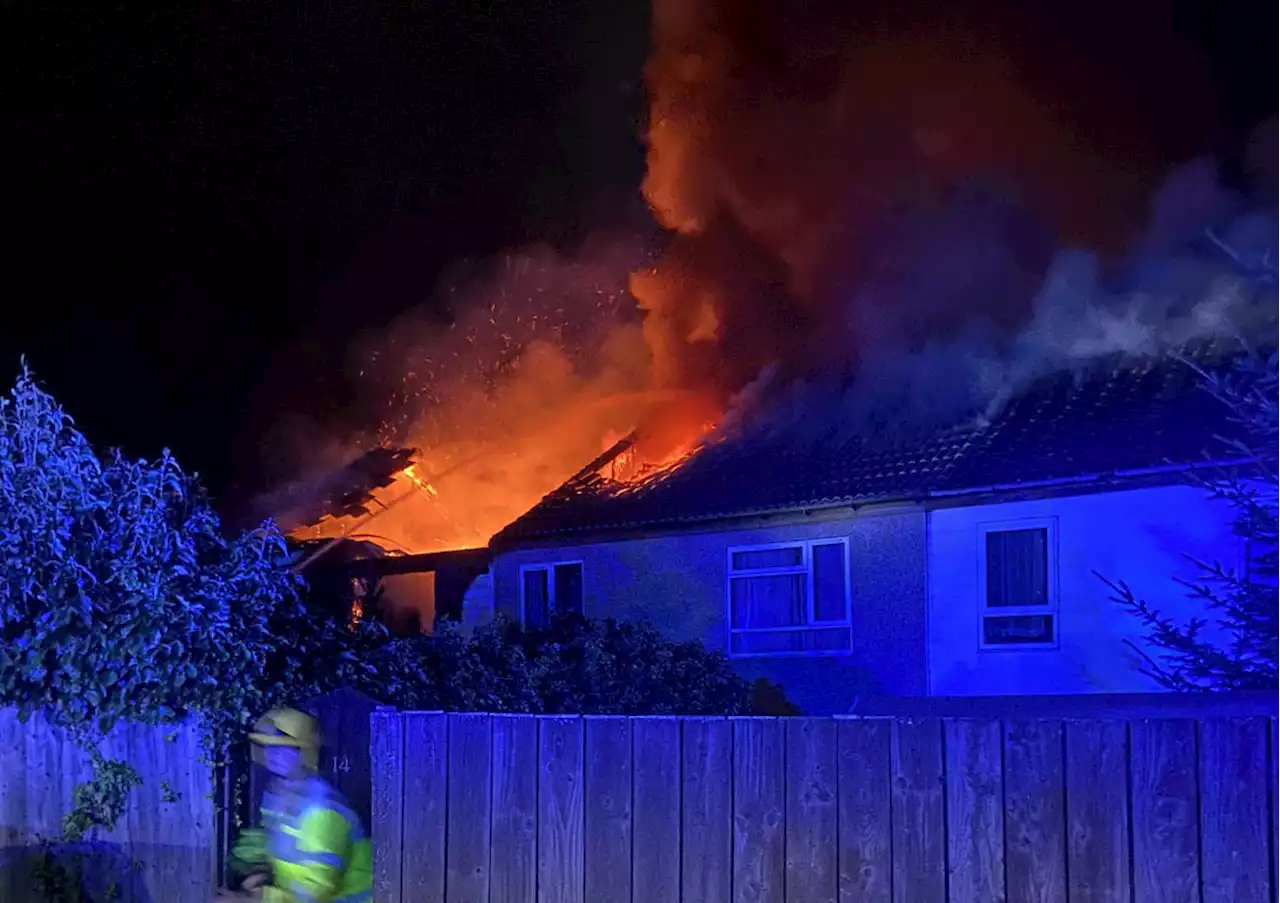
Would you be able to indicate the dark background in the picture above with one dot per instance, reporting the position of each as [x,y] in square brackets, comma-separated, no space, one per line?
[206,200]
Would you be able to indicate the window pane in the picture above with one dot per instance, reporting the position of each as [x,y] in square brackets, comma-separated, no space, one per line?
[760,559]
[829,574]
[775,601]
[830,639]
[1018,568]
[536,604]
[1015,630]
[568,596]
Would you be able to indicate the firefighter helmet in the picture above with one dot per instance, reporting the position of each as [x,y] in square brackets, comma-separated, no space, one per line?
[291,728]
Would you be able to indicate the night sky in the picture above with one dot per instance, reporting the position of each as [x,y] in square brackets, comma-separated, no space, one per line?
[207,200]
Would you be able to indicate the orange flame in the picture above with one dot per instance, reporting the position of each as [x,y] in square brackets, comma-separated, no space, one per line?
[457,496]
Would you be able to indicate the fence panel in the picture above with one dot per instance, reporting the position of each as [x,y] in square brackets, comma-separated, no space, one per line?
[1233,815]
[707,855]
[426,792]
[164,846]
[812,814]
[919,828]
[607,809]
[1097,757]
[656,822]
[1166,842]
[514,866]
[607,789]
[560,838]
[865,793]
[467,847]
[759,805]
[1035,822]
[387,750]
[975,810]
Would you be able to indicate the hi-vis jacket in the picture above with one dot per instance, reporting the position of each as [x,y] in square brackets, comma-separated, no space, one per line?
[319,852]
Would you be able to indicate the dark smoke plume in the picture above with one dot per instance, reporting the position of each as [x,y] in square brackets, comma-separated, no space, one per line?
[838,182]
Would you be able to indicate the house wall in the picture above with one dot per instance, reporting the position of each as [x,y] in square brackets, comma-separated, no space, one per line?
[680,584]
[1139,536]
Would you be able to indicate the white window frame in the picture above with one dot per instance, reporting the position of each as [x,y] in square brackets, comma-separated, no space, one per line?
[805,567]
[550,568]
[1052,609]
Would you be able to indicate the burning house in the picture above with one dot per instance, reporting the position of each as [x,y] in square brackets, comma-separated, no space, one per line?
[960,562]
[968,442]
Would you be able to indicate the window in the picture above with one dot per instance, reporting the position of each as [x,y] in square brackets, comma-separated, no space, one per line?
[1019,605]
[547,588]
[790,599]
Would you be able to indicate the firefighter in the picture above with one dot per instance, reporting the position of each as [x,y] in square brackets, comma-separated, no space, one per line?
[316,848]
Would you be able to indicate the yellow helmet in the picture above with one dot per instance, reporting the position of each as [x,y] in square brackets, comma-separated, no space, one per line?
[288,727]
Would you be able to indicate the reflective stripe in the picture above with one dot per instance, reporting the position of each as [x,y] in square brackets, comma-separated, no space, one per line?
[333,860]
[322,868]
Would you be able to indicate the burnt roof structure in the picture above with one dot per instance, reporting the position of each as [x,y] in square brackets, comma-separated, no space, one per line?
[1116,418]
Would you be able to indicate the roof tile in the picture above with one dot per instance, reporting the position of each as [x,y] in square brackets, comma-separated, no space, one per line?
[1119,415]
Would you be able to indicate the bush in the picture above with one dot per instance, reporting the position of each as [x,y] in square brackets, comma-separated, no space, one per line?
[573,666]
[121,598]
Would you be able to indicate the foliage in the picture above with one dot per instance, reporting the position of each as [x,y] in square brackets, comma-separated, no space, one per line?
[97,803]
[1239,650]
[574,665]
[120,597]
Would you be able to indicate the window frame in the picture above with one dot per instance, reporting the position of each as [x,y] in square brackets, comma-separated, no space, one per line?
[1052,608]
[550,568]
[805,567]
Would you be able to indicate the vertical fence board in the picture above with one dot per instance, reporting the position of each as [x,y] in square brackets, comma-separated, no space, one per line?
[1035,820]
[866,867]
[560,837]
[975,810]
[426,798]
[13,805]
[1273,770]
[1096,769]
[387,751]
[812,820]
[513,862]
[1233,815]
[607,786]
[759,805]
[707,848]
[1166,854]
[467,844]
[656,810]
[919,828]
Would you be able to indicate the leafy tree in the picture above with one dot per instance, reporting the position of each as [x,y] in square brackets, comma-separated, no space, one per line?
[1241,654]
[120,597]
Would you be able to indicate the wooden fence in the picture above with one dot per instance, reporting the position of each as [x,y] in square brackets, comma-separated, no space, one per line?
[161,851]
[517,809]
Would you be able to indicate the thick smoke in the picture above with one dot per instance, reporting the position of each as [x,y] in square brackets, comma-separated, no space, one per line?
[836,185]
[1216,281]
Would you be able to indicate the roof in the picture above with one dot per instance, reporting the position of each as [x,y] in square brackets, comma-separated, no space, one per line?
[1120,415]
